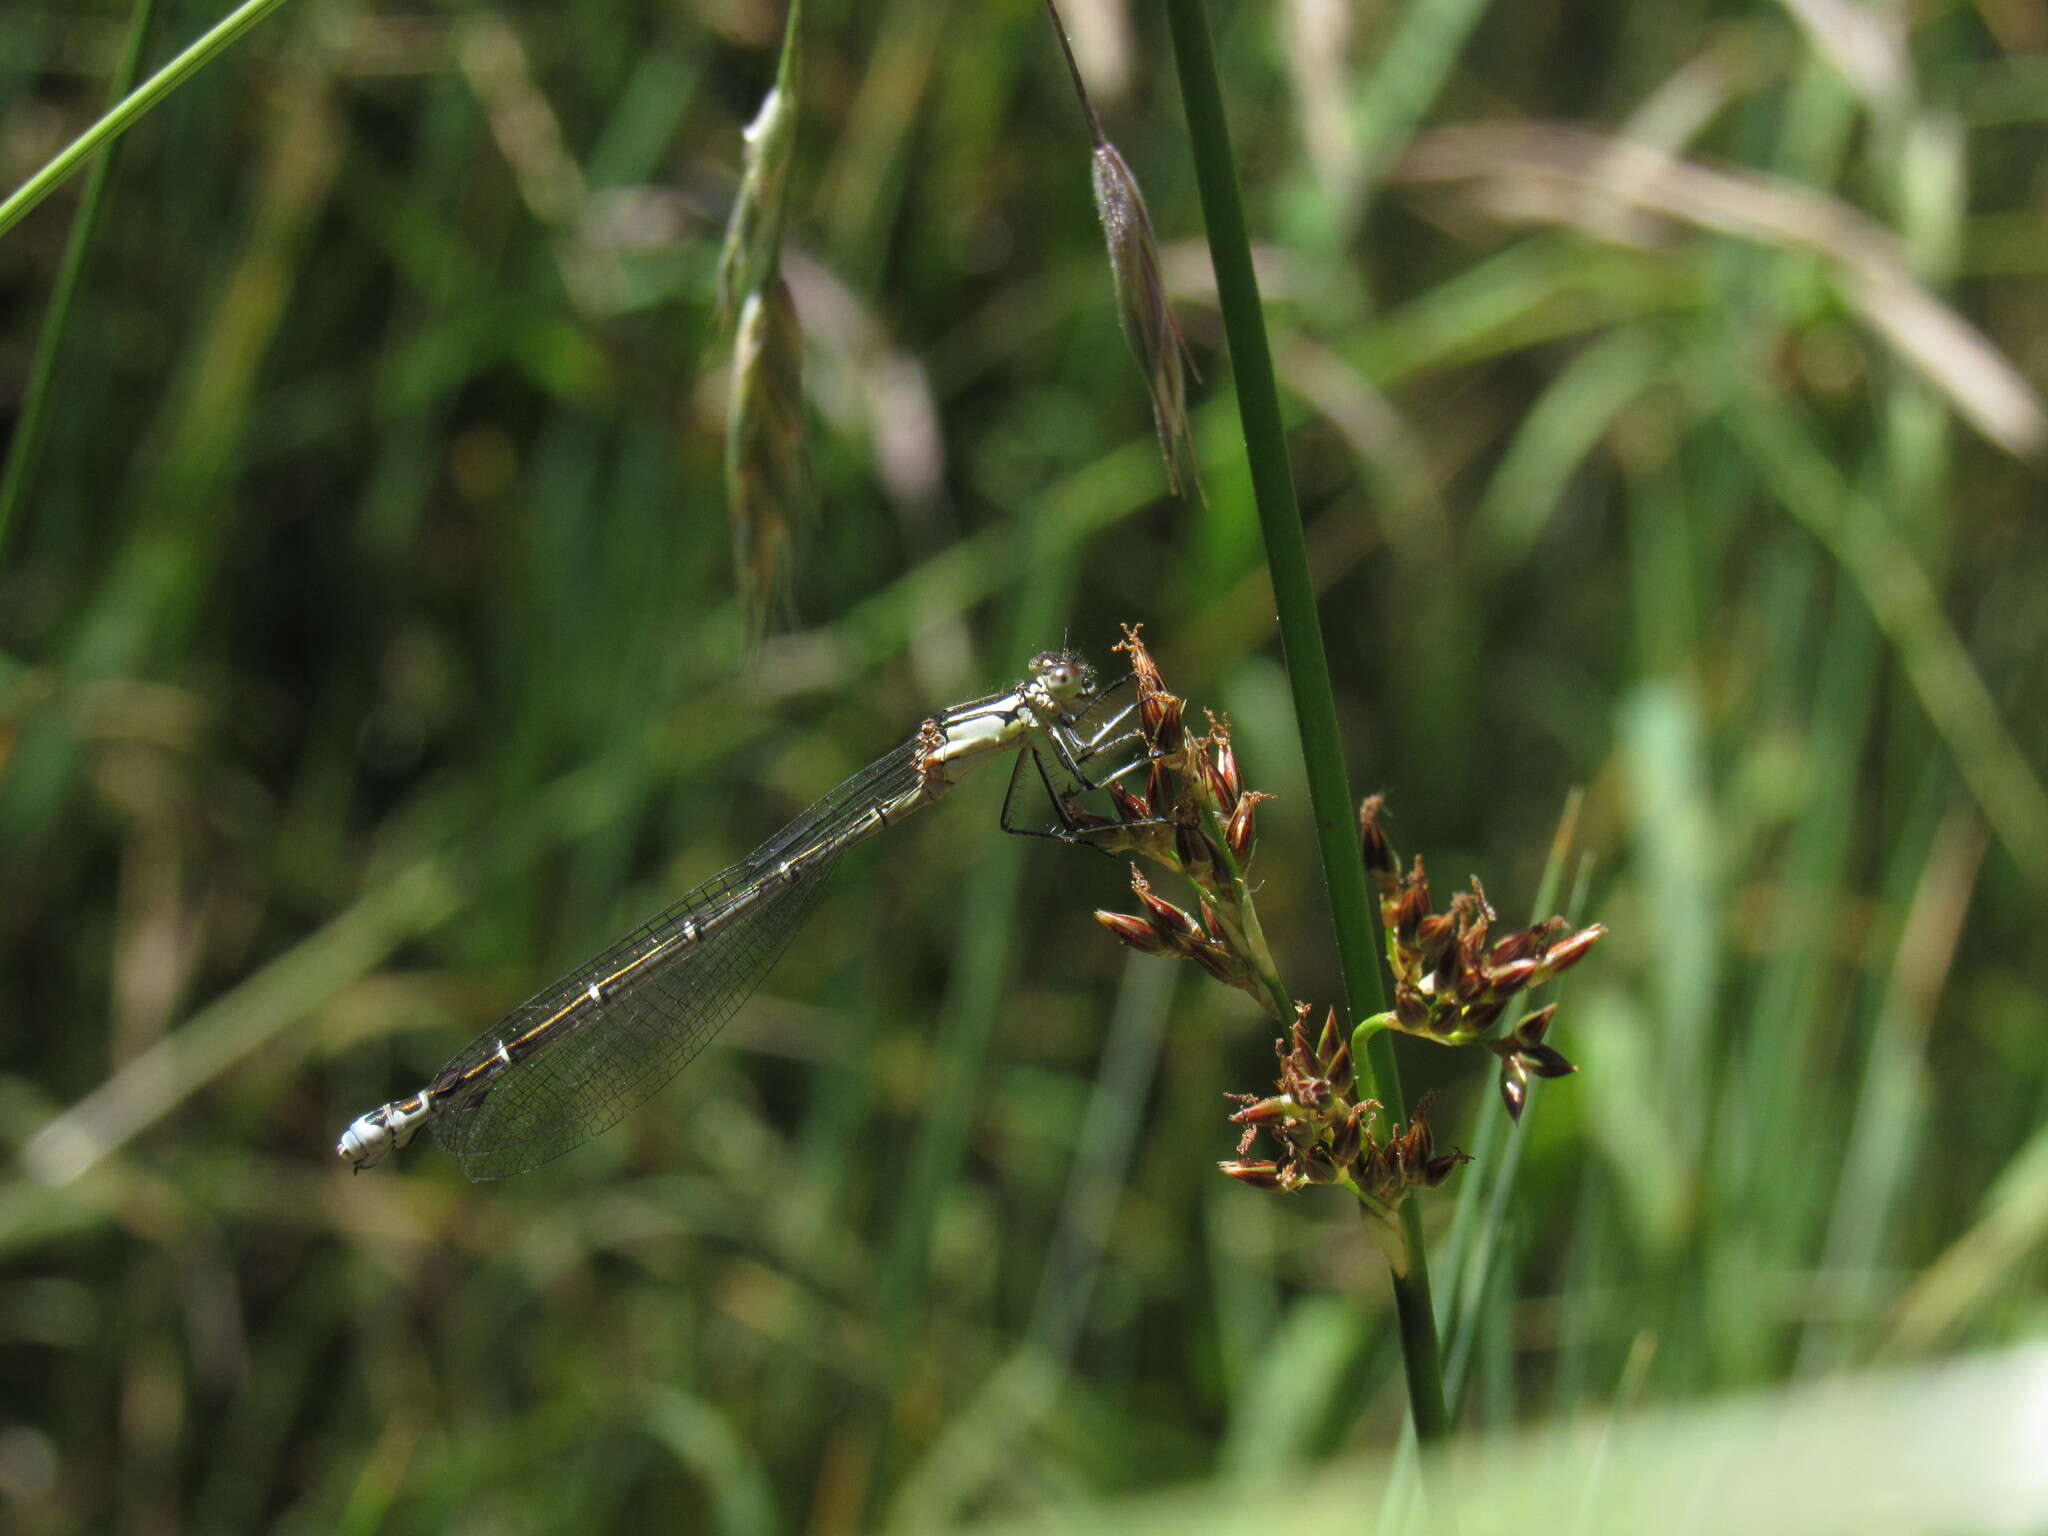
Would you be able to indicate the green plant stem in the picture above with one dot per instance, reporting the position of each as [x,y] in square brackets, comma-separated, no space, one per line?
[1301,640]
[125,113]
[27,440]
[1244,912]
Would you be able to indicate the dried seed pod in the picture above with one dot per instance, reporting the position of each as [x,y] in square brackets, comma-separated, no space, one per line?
[1136,932]
[1523,944]
[1481,1017]
[1568,952]
[1240,832]
[1329,1040]
[1514,1087]
[1195,854]
[1258,1175]
[1143,667]
[1348,1138]
[1338,1069]
[1411,1008]
[1533,1028]
[1129,806]
[1169,921]
[1545,1061]
[1506,980]
[1161,713]
[1262,1111]
[1381,866]
[1219,769]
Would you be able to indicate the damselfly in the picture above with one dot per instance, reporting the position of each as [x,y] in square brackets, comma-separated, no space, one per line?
[572,1060]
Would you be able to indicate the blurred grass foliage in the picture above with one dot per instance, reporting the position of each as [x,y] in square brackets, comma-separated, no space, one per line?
[1659,389]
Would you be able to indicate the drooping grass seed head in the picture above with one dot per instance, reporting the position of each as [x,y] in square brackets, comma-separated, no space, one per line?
[753,231]
[766,479]
[1147,318]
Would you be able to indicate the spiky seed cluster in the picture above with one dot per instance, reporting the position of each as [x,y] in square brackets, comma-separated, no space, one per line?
[1194,797]
[1195,818]
[765,478]
[1326,1135]
[1165,929]
[1451,984]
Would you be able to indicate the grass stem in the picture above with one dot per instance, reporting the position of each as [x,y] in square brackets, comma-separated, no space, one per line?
[1308,668]
[130,109]
[27,440]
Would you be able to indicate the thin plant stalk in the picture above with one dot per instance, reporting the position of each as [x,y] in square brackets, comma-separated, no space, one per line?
[131,108]
[27,440]
[1352,908]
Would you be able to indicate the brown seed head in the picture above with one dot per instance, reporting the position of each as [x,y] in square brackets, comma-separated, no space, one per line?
[1338,1069]
[1481,1017]
[1347,1138]
[1129,807]
[1436,939]
[1136,932]
[1220,773]
[1533,1028]
[1514,1087]
[1143,667]
[1328,1041]
[1506,980]
[1197,858]
[1522,944]
[1545,1061]
[1220,962]
[1568,952]
[1241,830]
[1162,715]
[1411,1007]
[1258,1175]
[1169,921]
[1381,866]
[1263,1111]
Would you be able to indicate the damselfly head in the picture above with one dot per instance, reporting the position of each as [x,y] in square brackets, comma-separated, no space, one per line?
[366,1142]
[1065,675]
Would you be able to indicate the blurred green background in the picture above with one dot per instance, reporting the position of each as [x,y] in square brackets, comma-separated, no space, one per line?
[368,653]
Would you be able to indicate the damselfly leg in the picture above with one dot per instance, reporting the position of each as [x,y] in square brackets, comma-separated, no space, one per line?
[1083,748]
